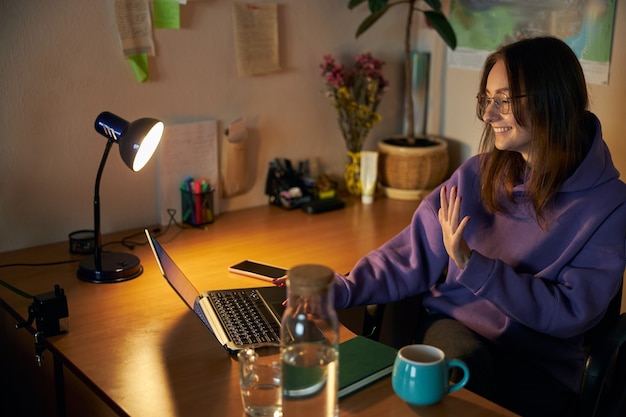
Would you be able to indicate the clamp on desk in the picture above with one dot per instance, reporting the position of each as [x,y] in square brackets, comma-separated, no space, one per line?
[50,313]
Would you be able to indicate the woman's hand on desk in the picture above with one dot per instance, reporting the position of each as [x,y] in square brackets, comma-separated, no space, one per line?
[280,282]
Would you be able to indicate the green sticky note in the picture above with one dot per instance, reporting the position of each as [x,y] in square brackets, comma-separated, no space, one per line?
[166,14]
[139,64]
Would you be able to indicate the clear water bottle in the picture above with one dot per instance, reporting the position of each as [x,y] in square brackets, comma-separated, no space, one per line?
[309,344]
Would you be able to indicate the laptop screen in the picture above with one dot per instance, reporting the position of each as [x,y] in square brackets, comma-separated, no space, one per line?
[173,274]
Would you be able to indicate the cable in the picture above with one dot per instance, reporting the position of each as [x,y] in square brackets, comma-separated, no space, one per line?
[41,264]
[16,290]
[130,244]
[126,241]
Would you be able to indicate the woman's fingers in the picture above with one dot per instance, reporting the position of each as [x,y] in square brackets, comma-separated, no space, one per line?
[443,201]
[453,226]
[450,211]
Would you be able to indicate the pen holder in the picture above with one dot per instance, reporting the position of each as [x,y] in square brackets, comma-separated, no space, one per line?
[197,208]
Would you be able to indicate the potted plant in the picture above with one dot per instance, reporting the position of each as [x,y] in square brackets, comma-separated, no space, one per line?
[399,170]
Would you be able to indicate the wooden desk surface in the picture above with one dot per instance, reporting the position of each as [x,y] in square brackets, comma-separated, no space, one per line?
[144,353]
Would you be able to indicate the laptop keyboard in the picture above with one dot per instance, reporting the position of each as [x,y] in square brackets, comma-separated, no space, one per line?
[242,317]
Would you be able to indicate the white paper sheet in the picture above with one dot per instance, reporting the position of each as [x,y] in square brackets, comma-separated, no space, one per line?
[187,150]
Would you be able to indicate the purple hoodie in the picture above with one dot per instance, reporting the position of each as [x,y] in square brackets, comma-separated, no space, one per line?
[533,291]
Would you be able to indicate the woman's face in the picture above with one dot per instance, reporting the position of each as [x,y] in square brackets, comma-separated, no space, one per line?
[509,135]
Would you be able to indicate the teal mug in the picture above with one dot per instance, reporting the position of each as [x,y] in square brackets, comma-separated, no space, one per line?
[421,374]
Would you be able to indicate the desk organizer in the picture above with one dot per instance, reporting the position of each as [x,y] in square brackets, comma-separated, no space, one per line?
[197,207]
[82,242]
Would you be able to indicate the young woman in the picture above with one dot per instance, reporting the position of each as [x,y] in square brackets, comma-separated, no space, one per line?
[531,234]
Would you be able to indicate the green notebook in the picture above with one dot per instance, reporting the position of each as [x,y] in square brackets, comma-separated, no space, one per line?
[361,362]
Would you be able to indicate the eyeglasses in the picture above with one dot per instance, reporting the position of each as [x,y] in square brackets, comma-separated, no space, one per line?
[501,100]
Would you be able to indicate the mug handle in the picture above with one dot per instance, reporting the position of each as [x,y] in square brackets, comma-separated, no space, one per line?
[459,364]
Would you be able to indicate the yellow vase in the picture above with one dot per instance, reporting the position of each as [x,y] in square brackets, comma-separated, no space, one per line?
[352,173]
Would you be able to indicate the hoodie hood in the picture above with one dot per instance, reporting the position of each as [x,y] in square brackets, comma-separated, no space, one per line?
[596,168]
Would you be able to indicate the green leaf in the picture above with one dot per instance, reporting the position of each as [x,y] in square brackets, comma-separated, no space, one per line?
[370,20]
[434,4]
[354,3]
[442,26]
[376,5]
[373,5]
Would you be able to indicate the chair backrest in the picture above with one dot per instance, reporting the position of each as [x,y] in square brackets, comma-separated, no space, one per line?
[603,388]
[609,319]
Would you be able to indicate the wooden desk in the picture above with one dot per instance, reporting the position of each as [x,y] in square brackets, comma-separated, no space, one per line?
[134,348]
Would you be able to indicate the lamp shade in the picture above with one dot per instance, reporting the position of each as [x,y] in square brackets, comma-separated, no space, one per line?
[140,142]
[137,140]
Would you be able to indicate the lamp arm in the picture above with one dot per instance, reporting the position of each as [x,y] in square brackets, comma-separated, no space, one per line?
[96,208]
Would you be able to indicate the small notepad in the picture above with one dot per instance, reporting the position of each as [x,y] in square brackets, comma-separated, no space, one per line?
[363,361]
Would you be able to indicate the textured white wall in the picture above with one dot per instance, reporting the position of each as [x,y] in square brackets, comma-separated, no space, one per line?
[62,65]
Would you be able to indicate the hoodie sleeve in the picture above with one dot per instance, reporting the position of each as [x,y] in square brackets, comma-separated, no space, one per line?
[409,263]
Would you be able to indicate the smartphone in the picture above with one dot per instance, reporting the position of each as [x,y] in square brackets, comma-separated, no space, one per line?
[258,270]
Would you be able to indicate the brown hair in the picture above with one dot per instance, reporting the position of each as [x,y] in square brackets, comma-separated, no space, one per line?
[547,72]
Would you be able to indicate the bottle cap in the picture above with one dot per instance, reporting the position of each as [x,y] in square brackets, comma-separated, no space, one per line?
[310,279]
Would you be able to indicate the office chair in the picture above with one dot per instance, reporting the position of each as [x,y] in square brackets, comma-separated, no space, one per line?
[603,388]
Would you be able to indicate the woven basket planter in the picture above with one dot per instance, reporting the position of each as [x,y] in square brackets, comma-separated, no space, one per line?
[407,168]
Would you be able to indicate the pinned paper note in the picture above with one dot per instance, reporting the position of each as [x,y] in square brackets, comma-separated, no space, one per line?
[166,14]
[134,26]
[256,35]
[139,65]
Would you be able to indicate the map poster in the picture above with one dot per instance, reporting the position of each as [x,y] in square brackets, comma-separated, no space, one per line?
[586,26]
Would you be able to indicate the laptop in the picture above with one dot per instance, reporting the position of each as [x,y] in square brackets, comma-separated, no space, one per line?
[238,318]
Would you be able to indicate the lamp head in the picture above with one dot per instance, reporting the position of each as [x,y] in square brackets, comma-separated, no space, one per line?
[137,140]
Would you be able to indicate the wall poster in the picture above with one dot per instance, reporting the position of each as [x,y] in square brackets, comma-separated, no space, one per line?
[586,26]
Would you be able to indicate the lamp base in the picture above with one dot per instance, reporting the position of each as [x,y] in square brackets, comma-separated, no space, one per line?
[116,267]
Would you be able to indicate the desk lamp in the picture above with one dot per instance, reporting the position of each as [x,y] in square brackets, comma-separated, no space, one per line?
[137,141]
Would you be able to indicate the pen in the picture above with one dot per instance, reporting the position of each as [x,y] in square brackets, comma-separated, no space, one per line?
[198,200]
[187,200]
